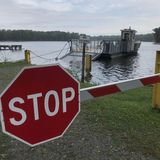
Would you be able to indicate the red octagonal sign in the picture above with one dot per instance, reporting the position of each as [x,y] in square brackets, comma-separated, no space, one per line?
[40,104]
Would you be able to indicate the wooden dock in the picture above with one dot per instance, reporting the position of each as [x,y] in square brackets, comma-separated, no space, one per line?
[10,47]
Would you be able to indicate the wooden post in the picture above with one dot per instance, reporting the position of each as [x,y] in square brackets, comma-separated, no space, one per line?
[71,46]
[88,63]
[156,89]
[83,62]
[27,56]
[94,46]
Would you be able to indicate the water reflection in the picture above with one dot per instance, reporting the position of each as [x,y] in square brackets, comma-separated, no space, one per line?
[117,69]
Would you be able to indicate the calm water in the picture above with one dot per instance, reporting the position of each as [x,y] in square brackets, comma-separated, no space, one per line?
[113,70]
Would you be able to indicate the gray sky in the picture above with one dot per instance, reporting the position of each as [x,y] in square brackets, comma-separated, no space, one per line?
[94,17]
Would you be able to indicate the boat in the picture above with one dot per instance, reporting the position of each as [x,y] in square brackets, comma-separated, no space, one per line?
[127,45]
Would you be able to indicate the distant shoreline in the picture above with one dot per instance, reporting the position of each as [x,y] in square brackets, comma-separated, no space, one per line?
[29,35]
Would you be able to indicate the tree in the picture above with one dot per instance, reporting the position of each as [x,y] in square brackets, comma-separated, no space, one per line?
[157,34]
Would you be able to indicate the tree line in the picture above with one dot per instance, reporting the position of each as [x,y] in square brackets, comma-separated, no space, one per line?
[29,35]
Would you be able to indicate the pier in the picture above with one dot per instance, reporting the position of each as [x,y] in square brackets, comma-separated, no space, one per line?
[10,47]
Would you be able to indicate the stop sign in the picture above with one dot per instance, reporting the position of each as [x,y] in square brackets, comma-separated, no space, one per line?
[39,104]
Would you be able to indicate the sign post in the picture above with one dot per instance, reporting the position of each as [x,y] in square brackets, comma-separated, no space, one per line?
[39,105]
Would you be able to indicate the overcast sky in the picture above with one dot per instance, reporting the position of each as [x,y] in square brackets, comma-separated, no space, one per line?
[94,17]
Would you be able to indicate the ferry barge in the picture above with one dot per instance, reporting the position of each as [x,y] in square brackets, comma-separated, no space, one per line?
[127,45]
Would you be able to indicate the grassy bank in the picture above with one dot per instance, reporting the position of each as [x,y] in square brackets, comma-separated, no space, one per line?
[8,70]
[120,126]
[129,118]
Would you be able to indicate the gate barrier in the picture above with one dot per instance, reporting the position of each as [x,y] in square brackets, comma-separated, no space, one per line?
[102,90]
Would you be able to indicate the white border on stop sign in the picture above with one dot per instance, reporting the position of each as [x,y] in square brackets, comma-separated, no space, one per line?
[8,86]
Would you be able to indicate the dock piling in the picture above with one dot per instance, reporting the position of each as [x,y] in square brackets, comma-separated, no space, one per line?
[88,63]
[27,56]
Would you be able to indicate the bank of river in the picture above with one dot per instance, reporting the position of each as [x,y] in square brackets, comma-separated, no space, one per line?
[116,127]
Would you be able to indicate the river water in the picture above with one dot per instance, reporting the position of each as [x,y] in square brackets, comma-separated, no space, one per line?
[123,68]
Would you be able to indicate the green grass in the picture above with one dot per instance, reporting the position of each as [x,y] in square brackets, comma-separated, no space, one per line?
[11,64]
[8,70]
[129,118]
[85,85]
